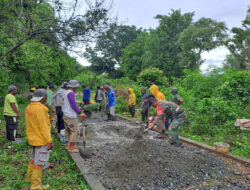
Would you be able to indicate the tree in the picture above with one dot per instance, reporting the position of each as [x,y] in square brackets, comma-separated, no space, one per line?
[203,35]
[25,20]
[132,56]
[104,57]
[239,46]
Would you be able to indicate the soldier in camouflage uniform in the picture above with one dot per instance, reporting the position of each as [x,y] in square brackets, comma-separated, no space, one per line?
[169,110]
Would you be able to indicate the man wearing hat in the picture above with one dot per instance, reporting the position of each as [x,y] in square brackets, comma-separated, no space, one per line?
[38,132]
[11,113]
[70,111]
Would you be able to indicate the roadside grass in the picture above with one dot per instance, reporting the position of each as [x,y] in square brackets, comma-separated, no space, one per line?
[14,158]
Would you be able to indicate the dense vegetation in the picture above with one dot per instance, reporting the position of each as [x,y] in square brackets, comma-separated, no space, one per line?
[37,39]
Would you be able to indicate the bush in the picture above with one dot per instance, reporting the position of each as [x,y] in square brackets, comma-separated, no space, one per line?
[152,76]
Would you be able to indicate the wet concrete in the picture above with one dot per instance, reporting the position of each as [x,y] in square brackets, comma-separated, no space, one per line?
[114,155]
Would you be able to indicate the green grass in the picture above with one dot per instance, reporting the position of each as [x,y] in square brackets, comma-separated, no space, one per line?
[13,164]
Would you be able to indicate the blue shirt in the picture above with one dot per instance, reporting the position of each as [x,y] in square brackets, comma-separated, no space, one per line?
[111,101]
[86,94]
[145,97]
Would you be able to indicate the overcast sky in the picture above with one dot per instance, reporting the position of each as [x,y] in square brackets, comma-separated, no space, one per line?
[142,12]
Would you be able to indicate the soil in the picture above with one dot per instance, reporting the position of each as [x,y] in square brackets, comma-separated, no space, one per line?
[125,160]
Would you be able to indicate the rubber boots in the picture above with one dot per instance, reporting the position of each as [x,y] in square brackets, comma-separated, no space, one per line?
[108,117]
[29,171]
[36,178]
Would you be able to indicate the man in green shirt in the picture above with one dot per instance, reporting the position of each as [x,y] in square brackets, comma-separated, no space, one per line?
[11,113]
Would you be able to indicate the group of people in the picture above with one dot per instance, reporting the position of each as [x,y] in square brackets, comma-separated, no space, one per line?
[169,115]
[45,103]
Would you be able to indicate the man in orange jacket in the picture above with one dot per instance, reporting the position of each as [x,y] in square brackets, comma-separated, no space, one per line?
[39,137]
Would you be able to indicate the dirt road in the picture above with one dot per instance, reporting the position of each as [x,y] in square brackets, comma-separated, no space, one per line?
[120,160]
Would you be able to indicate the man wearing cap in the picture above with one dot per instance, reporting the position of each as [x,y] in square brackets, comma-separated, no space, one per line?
[38,132]
[11,113]
[110,103]
[57,98]
[70,111]
[86,94]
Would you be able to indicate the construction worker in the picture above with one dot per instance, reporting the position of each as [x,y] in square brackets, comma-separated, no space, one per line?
[170,110]
[70,111]
[156,93]
[86,94]
[11,113]
[131,102]
[57,98]
[38,132]
[176,98]
[50,91]
[99,97]
[110,103]
[144,106]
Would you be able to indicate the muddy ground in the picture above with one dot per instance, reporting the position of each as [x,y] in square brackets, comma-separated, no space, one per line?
[119,159]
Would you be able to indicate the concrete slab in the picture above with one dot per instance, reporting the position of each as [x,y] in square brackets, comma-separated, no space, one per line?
[93,182]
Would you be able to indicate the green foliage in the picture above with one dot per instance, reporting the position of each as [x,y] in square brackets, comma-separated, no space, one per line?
[152,76]
[203,35]
[105,55]
[239,46]
[212,103]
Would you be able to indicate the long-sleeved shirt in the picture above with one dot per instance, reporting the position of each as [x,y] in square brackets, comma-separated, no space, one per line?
[144,99]
[132,97]
[165,110]
[38,128]
[70,108]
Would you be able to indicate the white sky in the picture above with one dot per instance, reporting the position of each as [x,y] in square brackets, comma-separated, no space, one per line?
[141,13]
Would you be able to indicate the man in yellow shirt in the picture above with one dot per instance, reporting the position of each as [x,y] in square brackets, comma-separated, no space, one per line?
[11,113]
[38,132]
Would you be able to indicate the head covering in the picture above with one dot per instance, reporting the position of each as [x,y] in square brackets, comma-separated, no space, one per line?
[38,95]
[64,85]
[174,91]
[32,89]
[73,84]
[11,88]
[84,86]
[151,99]
[106,86]
[51,87]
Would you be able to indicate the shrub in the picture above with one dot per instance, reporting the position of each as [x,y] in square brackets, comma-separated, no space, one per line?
[152,76]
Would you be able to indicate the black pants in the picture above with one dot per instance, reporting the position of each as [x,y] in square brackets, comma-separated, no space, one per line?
[144,115]
[11,126]
[86,102]
[60,122]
